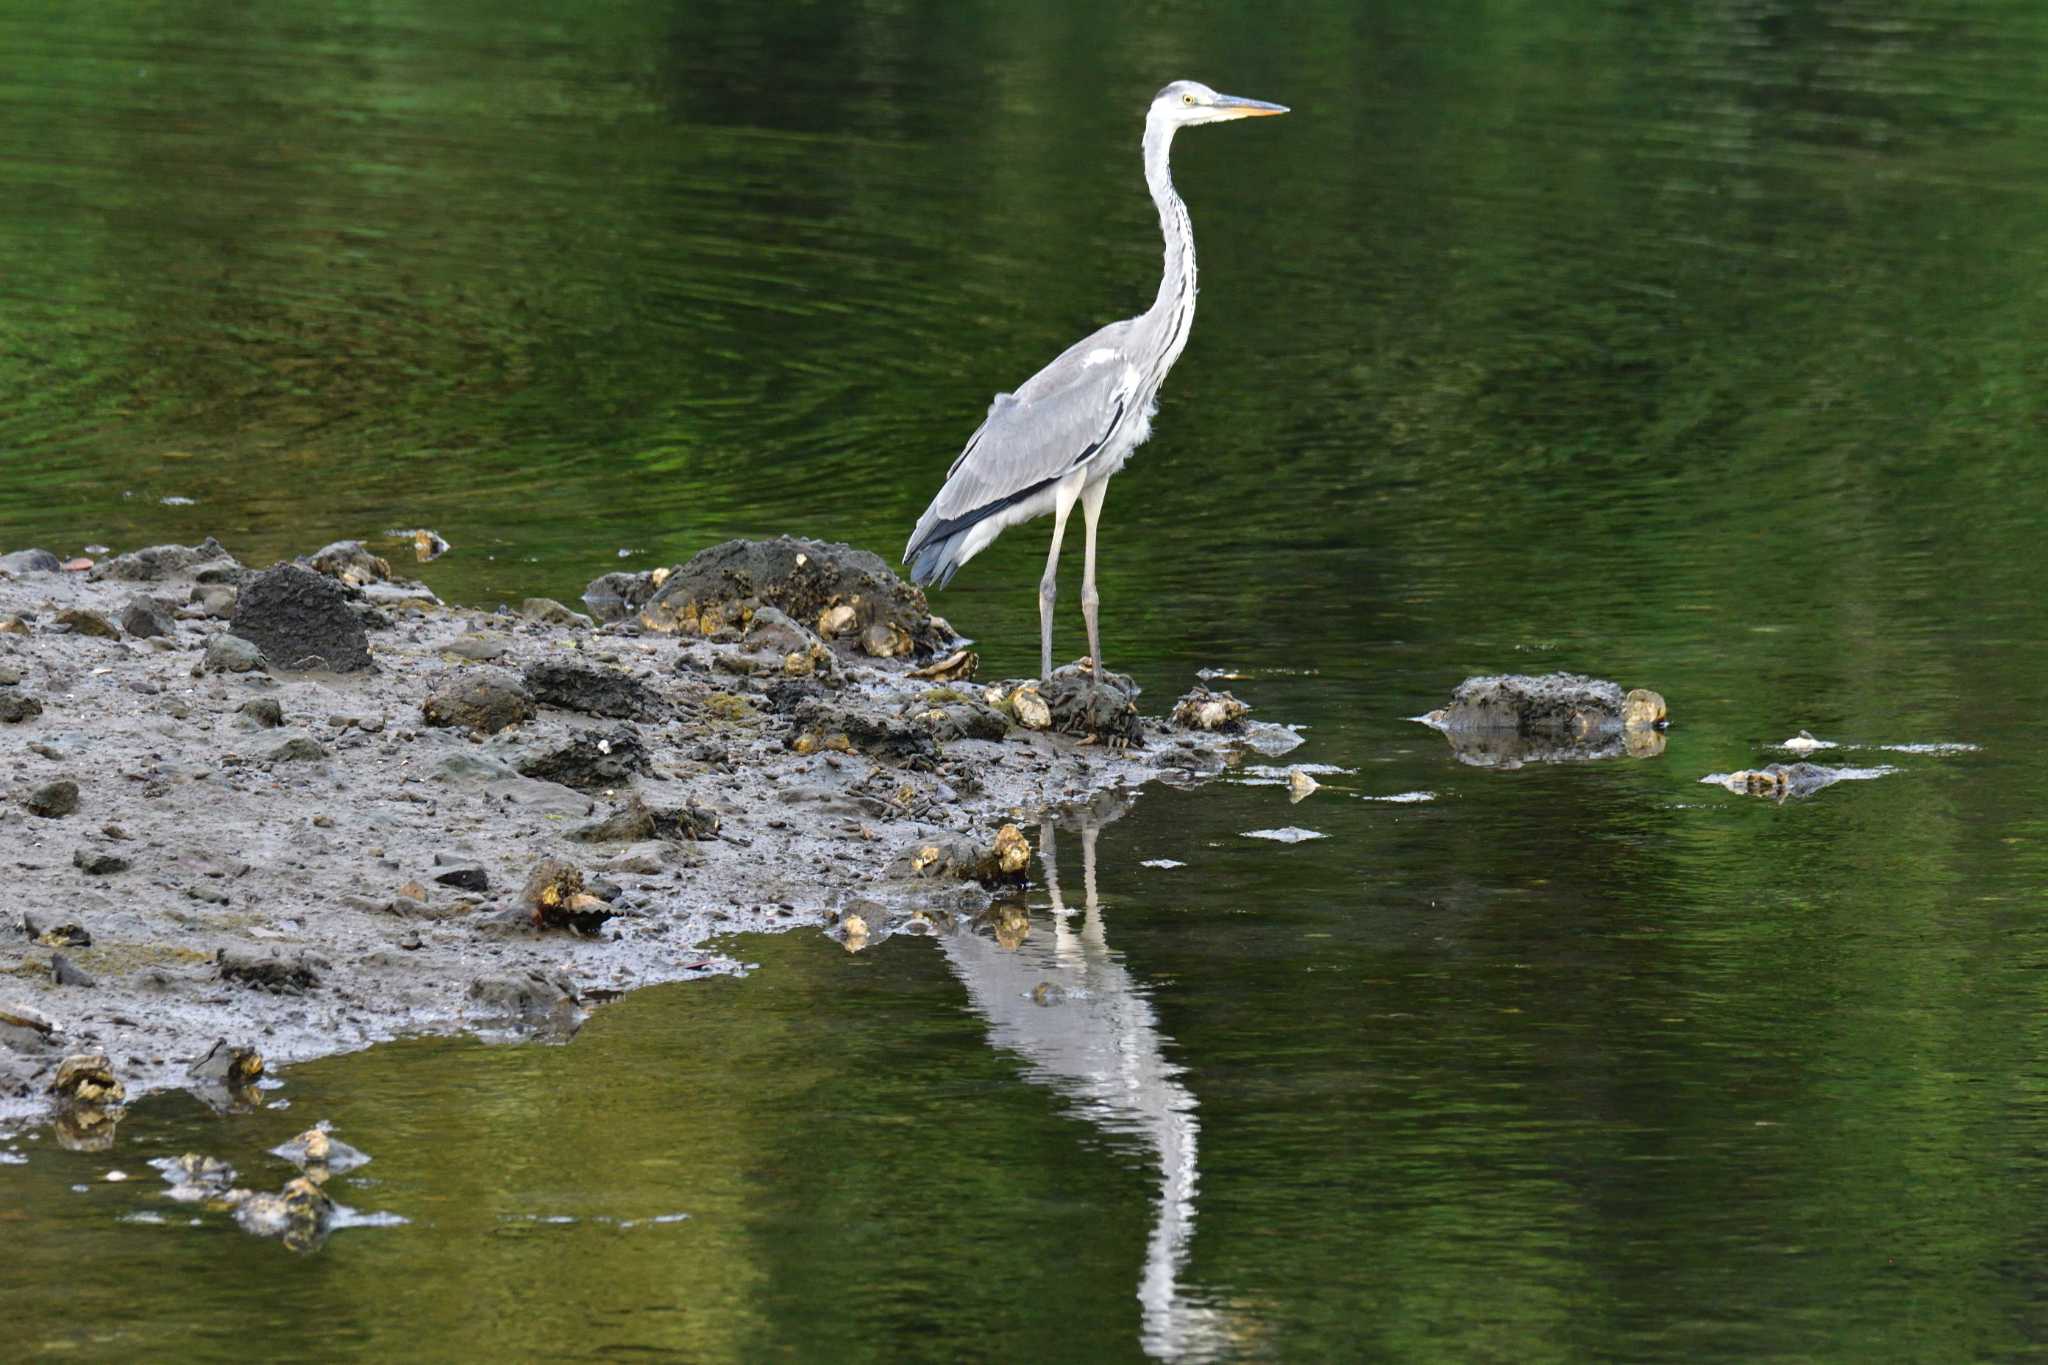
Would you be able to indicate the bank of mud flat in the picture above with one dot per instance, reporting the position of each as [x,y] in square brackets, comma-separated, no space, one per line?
[253,816]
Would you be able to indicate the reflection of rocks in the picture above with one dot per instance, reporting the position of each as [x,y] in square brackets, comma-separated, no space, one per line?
[1504,721]
[1782,781]
[87,1127]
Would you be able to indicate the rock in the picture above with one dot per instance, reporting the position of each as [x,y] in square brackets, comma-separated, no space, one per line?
[146,618]
[959,666]
[616,596]
[88,1078]
[10,675]
[298,749]
[722,587]
[951,715]
[83,621]
[214,599]
[1022,704]
[1104,710]
[278,975]
[592,691]
[299,1214]
[1004,861]
[1217,712]
[14,624]
[591,761]
[260,713]
[485,700]
[231,654]
[66,974]
[821,724]
[1506,720]
[480,646]
[635,821]
[549,612]
[204,560]
[771,631]
[99,862]
[1780,781]
[59,936]
[301,619]
[23,1029]
[1805,743]
[549,888]
[16,707]
[227,1064]
[465,878]
[350,562]
[529,996]
[317,1149]
[427,546]
[23,562]
[53,800]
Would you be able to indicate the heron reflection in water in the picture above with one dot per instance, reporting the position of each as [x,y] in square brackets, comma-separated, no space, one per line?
[1063,1000]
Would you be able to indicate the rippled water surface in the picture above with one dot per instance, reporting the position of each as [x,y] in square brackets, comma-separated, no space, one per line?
[1700,347]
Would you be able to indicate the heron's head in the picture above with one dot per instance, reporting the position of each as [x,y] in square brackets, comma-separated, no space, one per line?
[1186,103]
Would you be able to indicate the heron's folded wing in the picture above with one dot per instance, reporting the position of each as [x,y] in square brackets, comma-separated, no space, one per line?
[1061,418]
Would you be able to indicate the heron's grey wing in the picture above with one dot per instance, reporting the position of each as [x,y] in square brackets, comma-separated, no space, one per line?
[1056,421]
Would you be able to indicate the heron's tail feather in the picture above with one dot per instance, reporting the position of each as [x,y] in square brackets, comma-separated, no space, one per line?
[936,560]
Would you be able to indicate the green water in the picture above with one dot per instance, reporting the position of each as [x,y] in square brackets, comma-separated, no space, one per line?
[1702,347]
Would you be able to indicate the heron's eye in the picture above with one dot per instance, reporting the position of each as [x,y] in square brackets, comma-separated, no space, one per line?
[1187,99]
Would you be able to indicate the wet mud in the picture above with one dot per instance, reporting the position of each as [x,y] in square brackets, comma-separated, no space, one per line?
[268,814]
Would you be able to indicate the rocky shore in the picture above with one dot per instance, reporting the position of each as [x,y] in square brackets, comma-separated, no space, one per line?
[254,816]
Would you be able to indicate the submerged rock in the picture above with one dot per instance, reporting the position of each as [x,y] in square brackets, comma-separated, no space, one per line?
[301,619]
[320,1154]
[1782,781]
[850,595]
[1506,720]
[299,1214]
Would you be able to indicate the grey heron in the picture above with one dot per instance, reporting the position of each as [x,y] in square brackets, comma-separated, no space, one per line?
[1057,440]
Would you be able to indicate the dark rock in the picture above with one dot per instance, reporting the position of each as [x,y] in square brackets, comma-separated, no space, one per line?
[261,713]
[278,975]
[98,862]
[484,699]
[53,800]
[82,621]
[301,619]
[298,749]
[65,973]
[231,654]
[1504,721]
[22,562]
[593,691]
[159,562]
[1105,710]
[16,708]
[144,617]
[1002,861]
[829,725]
[465,878]
[848,596]
[950,714]
[591,761]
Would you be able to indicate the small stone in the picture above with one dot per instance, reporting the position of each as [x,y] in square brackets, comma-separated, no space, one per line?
[1012,851]
[113,831]
[464,879]
[23,562]
[555,898]
[226,1064]
[10,675]
[66,974]
[279,975]
[1300,784]
[260,713]
[485,700]
[99,862]
[413,891]
[16,708]
[549,612]
[53,800]
[13,625]
[216,600]
[146,618]
[1030,709]
[61,936]
[84,621]
[231,654]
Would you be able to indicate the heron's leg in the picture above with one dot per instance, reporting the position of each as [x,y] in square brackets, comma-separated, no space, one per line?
[1091,508]
[1062,508]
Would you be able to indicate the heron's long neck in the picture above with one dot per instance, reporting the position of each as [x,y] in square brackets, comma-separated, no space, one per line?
[1176,300]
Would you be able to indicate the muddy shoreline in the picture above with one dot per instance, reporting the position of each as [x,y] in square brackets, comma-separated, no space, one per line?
[301,810]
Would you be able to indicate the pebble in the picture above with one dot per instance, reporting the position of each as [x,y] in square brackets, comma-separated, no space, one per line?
[84,621]
[53,800]
[231,654]
[16,708]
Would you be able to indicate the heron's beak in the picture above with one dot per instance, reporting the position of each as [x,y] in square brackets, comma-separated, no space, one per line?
[1232,106]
